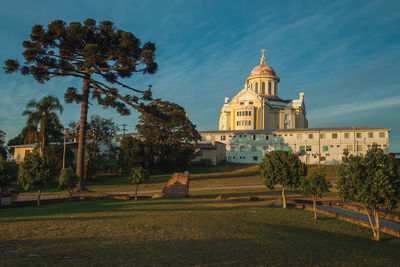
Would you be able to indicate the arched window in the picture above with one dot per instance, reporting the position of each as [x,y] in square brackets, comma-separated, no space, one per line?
[263,88]
[248,85]
[256,88]
[269,87]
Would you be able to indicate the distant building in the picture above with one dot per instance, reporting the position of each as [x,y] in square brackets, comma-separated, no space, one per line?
[20,151]
[258,106]
[312,145]
[213,152]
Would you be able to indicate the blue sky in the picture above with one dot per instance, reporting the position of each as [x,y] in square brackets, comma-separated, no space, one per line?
[344,55]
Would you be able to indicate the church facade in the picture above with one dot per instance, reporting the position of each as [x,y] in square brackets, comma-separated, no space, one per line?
[257,121]
[258,106]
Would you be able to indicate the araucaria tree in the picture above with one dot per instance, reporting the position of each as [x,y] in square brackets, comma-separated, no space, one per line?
[283,168]
[373,181]
[138,176]
[42,115]
[166,128]
[35,173]
[315,185]
[98,54]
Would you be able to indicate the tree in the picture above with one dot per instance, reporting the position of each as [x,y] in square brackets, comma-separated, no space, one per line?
[54,153]
[170,133]
[134,153]
[36,172]
[42,115]
[100,132]
[98,54]
[3,150]
[284,168]
[315,185]
[67,181]
[8,173]
[138,176]
[372,180]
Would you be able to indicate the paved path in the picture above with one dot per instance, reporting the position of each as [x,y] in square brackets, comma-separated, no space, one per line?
[361,216]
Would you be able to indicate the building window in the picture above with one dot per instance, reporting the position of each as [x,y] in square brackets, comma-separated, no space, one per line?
[27,152]
[257,88]
[382,135]
[233,148]
[286,148]
[254,137]
[263,88]
[302,148]
[310,136]
[265,147]
[324,148]
[359,148]
[223,137]
[299,136]
[241,103]
[334,136]
[346,135]
[322,136]
[308,148]
[249,113]
[253,148]
[358,135]
[251,103]
[255,158]
[269,87]
[349,147]
[242,148]
[277,148]
[370,135]
[266,137]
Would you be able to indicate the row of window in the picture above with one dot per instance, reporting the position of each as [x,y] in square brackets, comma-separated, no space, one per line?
[262,91]
[325,148]
[243,113]
[345,135]
[242,157]
[241,123]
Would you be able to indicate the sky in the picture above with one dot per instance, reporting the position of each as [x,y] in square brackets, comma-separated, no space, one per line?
[344,55]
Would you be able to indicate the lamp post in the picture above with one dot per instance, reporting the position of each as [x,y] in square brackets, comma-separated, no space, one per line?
[65,145]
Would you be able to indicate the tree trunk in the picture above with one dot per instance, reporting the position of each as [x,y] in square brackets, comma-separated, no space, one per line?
[38,199]
[137,186]
[370,223]
[377,227]
[283,197]
[315,204]
[82,135]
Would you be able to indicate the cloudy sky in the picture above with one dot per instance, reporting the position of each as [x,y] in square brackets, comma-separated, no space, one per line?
[344,55]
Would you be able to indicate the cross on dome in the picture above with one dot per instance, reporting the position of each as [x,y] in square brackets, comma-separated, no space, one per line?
[263,60]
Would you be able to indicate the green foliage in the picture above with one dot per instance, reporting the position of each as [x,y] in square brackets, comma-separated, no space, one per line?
[372,180]
[54,153]
[3,150]
[35,172]
[99,132]
[315,184]
[166,128]
[67,180]
[282,167]
[8,172]
[97,53]
[42,116]
[139,175]
[134,153]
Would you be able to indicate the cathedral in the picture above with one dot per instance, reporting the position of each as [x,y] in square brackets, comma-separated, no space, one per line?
[258,106]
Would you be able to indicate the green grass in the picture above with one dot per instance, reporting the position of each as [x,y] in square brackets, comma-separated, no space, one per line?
[181,232]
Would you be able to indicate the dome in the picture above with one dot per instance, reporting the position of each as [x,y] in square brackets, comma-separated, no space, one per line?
[263,70]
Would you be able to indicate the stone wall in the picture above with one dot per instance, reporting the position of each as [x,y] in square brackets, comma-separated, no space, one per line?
[177,186]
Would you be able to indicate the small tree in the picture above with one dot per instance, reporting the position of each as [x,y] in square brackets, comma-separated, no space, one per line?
[284,168]
[8,173]
[67,181]
[139,176]
[315,185]
[134,153]
[35,173]
[372,180]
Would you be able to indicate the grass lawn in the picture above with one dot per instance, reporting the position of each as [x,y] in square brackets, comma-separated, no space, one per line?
[181,232]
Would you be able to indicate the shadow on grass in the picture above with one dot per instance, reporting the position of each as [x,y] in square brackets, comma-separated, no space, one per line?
[263,244]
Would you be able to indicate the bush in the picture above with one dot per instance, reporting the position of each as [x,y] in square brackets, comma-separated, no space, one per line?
[68,181]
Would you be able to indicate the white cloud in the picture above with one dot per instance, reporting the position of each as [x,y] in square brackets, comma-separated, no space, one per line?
[336,110]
